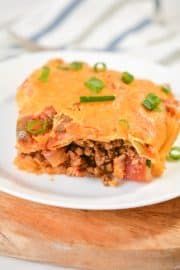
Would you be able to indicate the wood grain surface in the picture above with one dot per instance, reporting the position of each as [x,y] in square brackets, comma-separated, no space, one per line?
[144,238]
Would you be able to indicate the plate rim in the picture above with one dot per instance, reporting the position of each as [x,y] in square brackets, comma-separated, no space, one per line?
[77,206]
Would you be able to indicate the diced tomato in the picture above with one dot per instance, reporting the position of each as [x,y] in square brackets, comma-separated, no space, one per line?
[136,169]
[172,106]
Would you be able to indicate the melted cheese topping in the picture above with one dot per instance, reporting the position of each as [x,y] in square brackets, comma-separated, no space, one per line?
[100,120]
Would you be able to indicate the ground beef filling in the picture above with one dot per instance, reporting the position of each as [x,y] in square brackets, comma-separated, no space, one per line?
[105,160]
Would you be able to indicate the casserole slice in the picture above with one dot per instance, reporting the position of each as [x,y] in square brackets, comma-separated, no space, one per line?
[83,120]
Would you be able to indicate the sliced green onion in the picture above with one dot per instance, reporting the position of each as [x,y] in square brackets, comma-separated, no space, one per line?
[100,66]
[63,67]
[174,153]
[76,65]
[96,98]
[158,109]
[148,163]
[166,89]
[44,74]
[127,77]
[95,85]
[124,122]
[72,66]
[151,102]
[37,126]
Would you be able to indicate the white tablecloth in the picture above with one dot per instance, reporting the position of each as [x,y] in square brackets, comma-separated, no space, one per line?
[112,25]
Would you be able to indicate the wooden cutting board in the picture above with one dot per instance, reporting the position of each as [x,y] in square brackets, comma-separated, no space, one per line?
[145,238]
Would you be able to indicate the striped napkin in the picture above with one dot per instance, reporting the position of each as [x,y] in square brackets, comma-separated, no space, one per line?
[104,25]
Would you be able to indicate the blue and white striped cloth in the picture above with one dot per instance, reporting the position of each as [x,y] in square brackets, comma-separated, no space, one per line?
[108,25]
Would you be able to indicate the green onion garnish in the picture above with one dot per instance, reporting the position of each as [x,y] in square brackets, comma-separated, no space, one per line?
[127,77]
[63,67]
[166,89]
[37,126]
[151,102]
[44,74]
[148,163]
[100,66]
[72,66]
[76,65]
[174,153]
[95,85]
[96,98]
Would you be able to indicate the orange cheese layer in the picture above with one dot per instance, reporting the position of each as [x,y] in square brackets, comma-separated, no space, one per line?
[101,120]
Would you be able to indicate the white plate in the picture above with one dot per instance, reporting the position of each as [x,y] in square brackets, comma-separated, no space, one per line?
[16,264]
[83,193]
